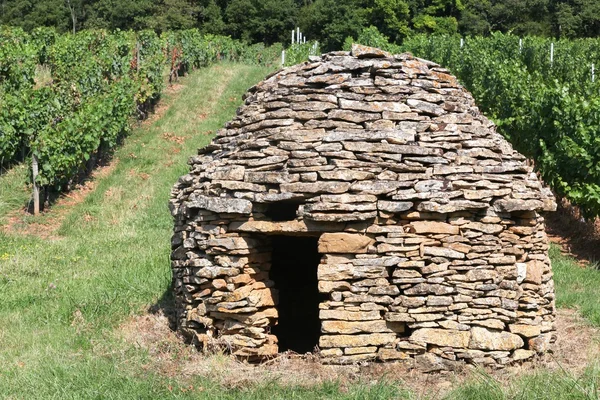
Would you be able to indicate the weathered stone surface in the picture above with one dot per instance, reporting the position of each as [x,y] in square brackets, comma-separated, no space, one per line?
[443,252]
[315,187]
[434,227]
[540,344]
[429,362]
[346,327]
[392,354]
[394,206]
[485,228]
[374,339]
[220,204]
[339,272]
[527,331]
[522,354]
[441,337]
[344,243]
[361,51]
[535,270]
[484,339]
[349,315]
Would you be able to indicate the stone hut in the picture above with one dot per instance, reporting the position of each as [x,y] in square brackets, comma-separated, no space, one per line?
[361,206]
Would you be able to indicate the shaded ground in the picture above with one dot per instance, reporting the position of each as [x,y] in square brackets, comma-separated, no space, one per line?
[577,236]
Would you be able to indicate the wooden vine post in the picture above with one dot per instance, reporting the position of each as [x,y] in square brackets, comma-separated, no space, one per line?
[36,187]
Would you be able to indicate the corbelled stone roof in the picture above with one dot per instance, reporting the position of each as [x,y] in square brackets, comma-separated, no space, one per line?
[360,132]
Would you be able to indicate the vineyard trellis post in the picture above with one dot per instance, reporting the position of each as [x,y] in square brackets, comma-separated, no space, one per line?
[282,58]
[593,73]
[36,186]
[551,54]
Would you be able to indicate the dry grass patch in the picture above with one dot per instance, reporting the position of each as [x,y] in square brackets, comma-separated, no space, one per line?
[577,347]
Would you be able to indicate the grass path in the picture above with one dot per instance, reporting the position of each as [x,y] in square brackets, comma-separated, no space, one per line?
[64,299]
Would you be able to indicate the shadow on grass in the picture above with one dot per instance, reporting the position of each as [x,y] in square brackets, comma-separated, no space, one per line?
[166,306]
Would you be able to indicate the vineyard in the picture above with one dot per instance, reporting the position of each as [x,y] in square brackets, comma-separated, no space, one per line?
[97,82]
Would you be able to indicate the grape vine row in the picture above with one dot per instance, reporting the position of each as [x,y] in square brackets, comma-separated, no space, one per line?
[97,82]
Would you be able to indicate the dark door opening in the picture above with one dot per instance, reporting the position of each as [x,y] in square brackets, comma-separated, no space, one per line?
[294,271]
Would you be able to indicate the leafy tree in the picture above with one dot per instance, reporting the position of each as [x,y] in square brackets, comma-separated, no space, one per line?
[266,21]
[391,16]
[124,15]
[436,16]
[577,18]
[29,14]
[173,14]
[210,18]
[331,21]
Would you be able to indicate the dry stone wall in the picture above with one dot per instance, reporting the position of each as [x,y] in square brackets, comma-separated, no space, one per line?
[430,225]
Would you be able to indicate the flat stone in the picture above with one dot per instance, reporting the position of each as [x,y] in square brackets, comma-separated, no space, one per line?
[373,106]
[315,187]
[349,315]
[361,51]
[535,270]
[434,227]
[345,175]
[527,331]
[428,288]
[392,136]
[522,354]
[340,272]
[512,205]
[394,206]
[390,148]
[481,275]
[441,337]
[485,228]
[443,252]
[484,339]
[429,362]
[451,206]
[352,327]
[353,116]
[385,354]
[375,339]
[540,344]
[331,286]
[220,204]
[344,243]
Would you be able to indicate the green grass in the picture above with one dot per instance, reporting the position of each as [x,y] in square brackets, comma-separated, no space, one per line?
[14,192]
[576,287]
[63,299]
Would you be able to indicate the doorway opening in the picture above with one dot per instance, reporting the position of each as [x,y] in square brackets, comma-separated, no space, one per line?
[294,270]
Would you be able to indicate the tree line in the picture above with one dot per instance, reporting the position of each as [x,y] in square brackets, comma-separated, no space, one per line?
[329,21]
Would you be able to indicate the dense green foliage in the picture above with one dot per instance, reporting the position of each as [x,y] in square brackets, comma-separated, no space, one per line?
[329,21]
[549,111]
[97,82]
